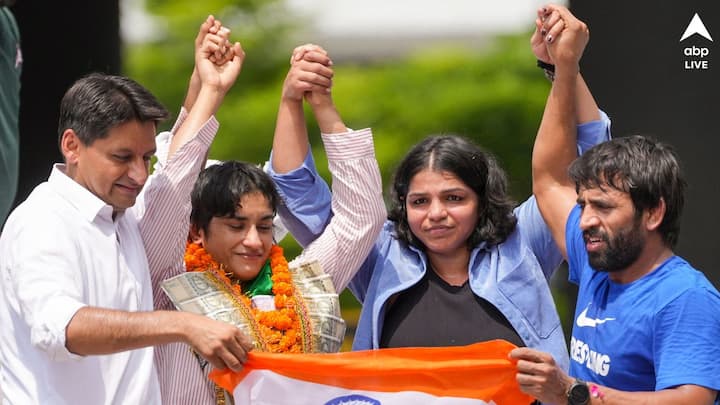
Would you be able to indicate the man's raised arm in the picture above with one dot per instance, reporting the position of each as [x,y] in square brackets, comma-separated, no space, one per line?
[569,102]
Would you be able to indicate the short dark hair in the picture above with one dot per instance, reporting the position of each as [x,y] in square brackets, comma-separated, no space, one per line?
[98,102]
[476,168]
[220,187]
[641,166]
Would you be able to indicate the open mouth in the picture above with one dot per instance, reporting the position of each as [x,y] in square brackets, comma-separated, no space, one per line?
[593,241]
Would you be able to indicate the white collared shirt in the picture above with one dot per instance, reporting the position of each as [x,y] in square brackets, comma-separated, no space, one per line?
[62,250]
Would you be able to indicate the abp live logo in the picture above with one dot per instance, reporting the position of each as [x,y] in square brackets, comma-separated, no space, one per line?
[696,58]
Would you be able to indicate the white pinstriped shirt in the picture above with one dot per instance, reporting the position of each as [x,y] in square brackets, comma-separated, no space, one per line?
[359,214]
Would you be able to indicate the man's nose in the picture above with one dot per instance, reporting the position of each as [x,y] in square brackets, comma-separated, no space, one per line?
[139,171]
[588,219]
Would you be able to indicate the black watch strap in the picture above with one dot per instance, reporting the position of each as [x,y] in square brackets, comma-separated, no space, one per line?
[548,69]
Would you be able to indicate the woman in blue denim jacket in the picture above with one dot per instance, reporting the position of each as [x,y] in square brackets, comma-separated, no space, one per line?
[455,263]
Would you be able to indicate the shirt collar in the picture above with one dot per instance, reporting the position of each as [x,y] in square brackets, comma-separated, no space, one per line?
[88,205]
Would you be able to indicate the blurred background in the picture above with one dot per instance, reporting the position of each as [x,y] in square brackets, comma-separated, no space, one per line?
[405,68]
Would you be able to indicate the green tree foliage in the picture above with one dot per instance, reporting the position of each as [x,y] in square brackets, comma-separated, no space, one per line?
[164,64]
[494,96]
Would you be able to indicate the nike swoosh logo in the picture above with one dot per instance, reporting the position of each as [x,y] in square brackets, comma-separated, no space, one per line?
[584,321]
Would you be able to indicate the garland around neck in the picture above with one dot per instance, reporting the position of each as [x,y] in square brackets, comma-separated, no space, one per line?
[284,329]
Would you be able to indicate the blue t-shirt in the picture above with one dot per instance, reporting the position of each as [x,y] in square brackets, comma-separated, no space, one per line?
[657,332]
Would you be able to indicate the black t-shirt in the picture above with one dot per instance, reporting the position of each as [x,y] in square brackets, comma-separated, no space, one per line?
[434,313]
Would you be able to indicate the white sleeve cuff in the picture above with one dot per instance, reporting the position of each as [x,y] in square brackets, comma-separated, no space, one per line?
[50,336]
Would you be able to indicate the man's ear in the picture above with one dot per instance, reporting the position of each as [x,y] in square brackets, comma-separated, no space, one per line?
[655,215]
[196,235]
[69,146]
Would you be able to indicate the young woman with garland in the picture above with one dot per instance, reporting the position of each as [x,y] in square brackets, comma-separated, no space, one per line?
[234,271]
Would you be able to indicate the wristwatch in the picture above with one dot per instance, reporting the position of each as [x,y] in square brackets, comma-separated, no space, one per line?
[578,393]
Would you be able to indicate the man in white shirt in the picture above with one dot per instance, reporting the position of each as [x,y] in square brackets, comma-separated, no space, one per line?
[76,303]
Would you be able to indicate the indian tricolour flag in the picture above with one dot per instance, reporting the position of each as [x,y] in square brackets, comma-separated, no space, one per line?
[476,374]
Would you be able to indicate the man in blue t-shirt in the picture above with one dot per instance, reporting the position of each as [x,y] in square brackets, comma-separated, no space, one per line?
[646,322]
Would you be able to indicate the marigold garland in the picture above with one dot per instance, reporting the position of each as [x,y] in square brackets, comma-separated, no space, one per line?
[279,328]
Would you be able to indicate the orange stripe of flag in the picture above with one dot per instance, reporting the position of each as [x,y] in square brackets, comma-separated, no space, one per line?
[481,370]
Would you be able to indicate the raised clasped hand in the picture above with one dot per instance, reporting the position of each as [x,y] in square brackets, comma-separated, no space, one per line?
[564,36]
[310,75]
[217,60]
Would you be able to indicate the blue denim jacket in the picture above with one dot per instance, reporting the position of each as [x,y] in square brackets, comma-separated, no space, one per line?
[512,275]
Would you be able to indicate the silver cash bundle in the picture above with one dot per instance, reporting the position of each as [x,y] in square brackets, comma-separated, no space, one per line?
[196,292]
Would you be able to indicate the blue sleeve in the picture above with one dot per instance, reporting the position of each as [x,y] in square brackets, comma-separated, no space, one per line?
[685,345]
[378,258]
[592,133]
[533,227]
[361,281]
[538,236]
[306,208]
[575,245]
